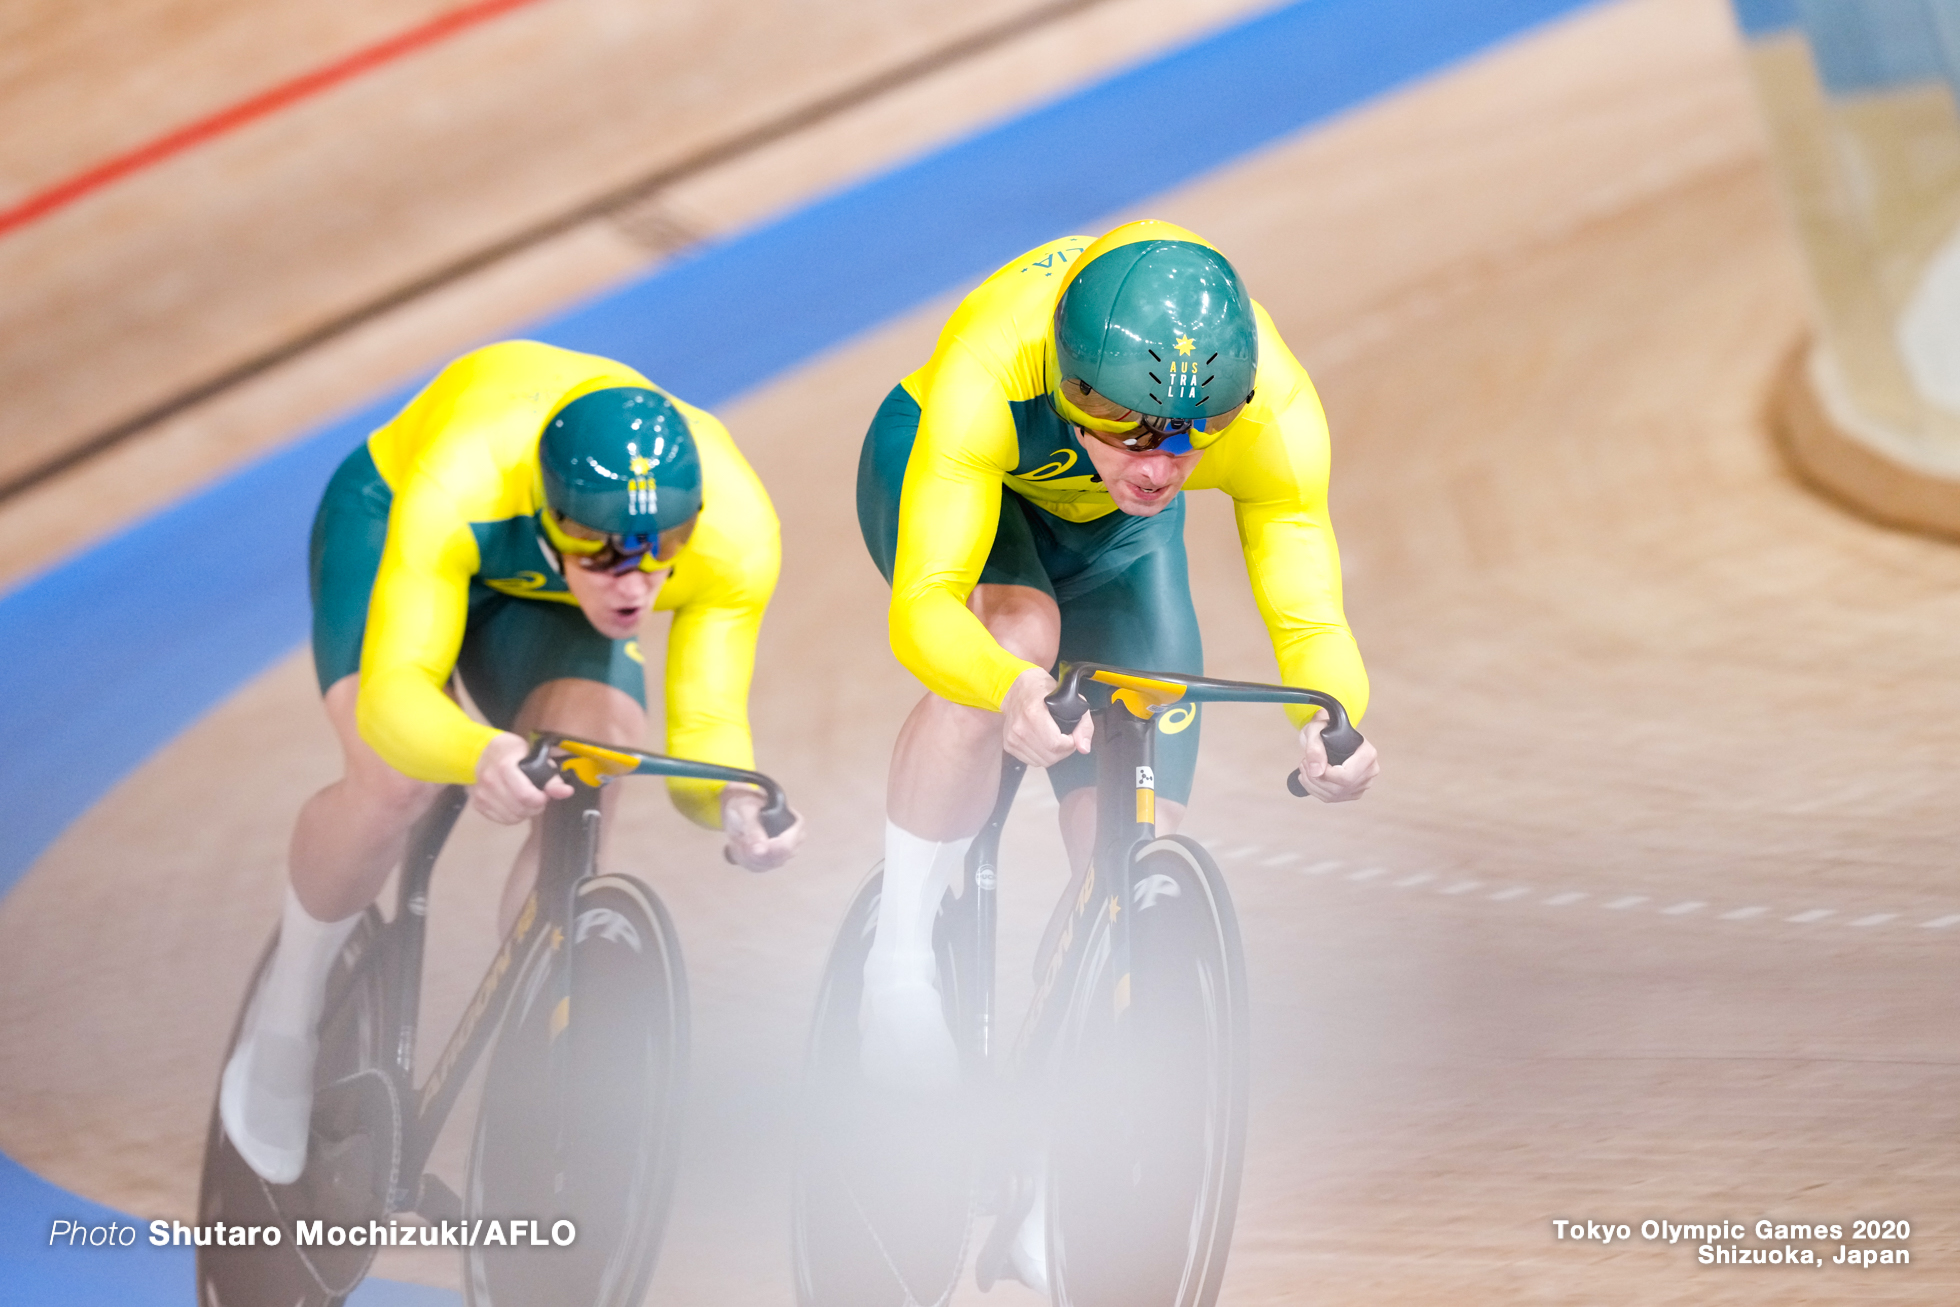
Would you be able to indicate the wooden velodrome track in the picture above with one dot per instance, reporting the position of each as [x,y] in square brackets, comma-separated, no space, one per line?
[1636,923]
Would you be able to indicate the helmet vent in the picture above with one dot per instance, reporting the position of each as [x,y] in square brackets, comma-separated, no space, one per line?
[1155,355]
[1208,361]
[1154,377]
[1207,381]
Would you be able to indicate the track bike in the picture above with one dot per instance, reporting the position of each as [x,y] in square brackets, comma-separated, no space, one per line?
[1121,1109]
[584,1013]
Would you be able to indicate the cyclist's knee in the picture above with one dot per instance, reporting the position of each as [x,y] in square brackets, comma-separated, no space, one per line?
[1025,621]
[375,785]
[947,721]
[389,795]
[588,709]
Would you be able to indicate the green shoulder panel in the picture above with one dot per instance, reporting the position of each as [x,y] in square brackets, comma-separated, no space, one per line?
[1050,467]
[512,561]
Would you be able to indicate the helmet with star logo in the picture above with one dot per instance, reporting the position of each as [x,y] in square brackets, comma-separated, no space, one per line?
[1155,340]
[620,460]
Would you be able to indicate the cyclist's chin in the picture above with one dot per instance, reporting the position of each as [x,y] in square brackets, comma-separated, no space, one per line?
[1138,503]
[614,623]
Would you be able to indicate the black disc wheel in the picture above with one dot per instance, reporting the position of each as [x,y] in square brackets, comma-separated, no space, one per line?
[1143,1168]
[576,1140]
[352,1157]
[882,1201]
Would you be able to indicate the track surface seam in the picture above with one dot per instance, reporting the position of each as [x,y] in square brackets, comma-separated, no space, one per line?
[1646,904]
[232,117]
[1378,875]
[602,206]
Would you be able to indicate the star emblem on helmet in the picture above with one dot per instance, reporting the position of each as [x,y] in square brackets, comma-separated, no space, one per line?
[1185,344]
[641,465]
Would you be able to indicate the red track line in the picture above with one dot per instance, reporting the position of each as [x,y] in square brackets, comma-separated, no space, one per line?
[308,84]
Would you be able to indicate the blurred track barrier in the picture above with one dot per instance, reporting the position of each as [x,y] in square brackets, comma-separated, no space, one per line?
[1859,99]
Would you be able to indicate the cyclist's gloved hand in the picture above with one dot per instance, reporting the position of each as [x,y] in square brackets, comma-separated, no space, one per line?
[1350,780]
[1029,732]
[749,845]
[503,793]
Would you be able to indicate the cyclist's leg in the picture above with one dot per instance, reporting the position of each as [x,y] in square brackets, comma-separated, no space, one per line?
[946,763]
[945,767]
[532,665]
[346,840]
[350,835]
[944,773]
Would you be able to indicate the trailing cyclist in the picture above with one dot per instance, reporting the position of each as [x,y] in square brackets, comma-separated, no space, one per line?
[503,537]
[1021,493]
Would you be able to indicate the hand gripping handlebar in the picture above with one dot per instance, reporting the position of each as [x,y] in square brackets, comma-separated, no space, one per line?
[538,765]
[1067,704]
[593,763]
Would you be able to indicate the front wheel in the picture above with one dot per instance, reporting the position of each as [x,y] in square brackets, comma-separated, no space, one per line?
[1144,1164]
[881,1206]
[580,1112]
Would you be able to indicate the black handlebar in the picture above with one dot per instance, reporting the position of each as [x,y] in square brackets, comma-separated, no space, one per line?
[539,767]
[776,816]
[1341,740]
[1067,704]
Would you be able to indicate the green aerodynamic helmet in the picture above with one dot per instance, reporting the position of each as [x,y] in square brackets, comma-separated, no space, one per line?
[1155,339]
[621,460]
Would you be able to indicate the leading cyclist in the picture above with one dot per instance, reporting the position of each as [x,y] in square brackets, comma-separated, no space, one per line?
[1021,493]
[508,530]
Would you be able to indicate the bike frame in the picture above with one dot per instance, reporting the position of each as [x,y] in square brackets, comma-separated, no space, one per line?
[1126,824]
[568,854]
[1126,821]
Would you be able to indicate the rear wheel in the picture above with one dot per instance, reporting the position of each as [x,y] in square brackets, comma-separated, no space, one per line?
[883,1189]
[580,1112]
[1144,1165]
[351,1158]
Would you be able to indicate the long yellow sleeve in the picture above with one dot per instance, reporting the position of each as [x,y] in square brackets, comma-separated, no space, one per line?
[1274,464]
[718,593]
[948,513]
[415,628]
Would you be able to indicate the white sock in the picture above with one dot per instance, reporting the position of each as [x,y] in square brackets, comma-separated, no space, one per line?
[917,873]
[906,1043]
[1029,1250]
[266,1095]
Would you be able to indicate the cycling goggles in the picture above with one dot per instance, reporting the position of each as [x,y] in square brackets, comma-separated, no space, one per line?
[616,555]
[1139,433]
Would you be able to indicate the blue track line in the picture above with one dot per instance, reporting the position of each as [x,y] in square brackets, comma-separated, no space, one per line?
[110,656]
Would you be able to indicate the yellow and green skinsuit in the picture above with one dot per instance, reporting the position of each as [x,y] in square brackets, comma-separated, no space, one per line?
[986,421]
[462,463]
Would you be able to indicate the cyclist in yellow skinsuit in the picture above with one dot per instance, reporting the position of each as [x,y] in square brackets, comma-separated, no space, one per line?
[1021,494]
[508,531]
